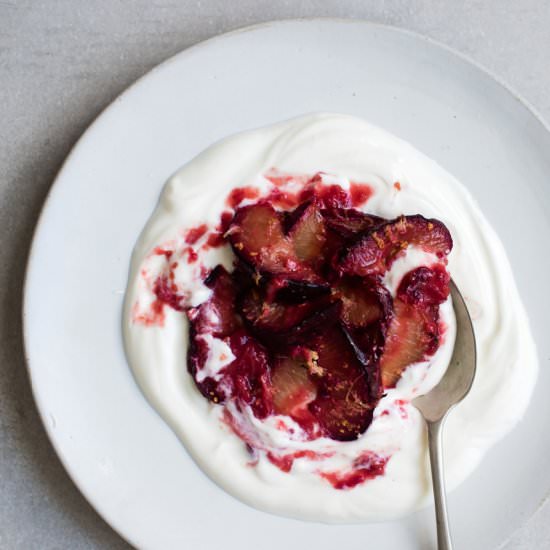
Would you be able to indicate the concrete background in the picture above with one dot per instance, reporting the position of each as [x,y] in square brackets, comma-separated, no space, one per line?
[61,63]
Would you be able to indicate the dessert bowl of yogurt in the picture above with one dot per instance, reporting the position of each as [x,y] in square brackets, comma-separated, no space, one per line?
[289,298]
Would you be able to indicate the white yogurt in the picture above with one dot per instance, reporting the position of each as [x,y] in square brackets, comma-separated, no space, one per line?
[348,149]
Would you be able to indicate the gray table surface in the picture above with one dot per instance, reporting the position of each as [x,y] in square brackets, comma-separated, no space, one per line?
[61,63]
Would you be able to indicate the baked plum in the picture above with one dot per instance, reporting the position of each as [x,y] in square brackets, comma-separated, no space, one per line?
[314,333]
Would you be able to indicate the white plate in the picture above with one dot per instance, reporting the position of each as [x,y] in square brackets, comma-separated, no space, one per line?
[121,455]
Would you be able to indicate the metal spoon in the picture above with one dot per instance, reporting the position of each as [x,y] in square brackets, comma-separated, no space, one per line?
[435,405]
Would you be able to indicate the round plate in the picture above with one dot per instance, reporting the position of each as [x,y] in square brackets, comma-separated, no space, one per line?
[122,456]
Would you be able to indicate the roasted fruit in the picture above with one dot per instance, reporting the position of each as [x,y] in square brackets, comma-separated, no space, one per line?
[295,292]
[265,316]
[314,334]
[308,236]
[350,223]
[217,316]
[363,302]
[293,388]
[374,253]
[256,235]
[249,376]
[425,286]
[413,333]
[344,404]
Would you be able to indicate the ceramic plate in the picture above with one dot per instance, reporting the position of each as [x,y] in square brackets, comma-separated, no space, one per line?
[119,452]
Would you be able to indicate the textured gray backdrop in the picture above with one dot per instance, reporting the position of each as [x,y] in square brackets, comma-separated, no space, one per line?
[61,63]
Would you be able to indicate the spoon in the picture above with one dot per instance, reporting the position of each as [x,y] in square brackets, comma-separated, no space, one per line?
[434,406]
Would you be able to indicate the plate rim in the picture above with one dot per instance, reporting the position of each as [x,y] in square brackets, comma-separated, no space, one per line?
[111,107]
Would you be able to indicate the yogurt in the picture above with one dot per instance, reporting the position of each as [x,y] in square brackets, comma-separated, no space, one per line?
[174,247]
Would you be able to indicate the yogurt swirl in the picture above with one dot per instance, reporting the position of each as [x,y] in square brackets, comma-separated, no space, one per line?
[403,181]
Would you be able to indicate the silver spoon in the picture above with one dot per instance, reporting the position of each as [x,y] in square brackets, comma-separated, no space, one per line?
[435,405]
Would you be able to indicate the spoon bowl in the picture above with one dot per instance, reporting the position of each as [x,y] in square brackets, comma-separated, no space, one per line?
[459,376]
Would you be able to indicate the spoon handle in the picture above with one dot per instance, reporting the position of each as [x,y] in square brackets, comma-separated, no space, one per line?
[436,461]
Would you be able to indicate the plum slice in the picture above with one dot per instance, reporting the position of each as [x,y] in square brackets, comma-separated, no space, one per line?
[217,316]
[363,301]
[413,333]
[294,292]
[249,376]
[343,227]
[323,319]
[265,316]
[375,252]
[256,235]
[247,379]
[344,404]
[350,223]
[425,286]
[293,389]
[279,325]
[308,235]
[368,346]
[197,355]
[366,313]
